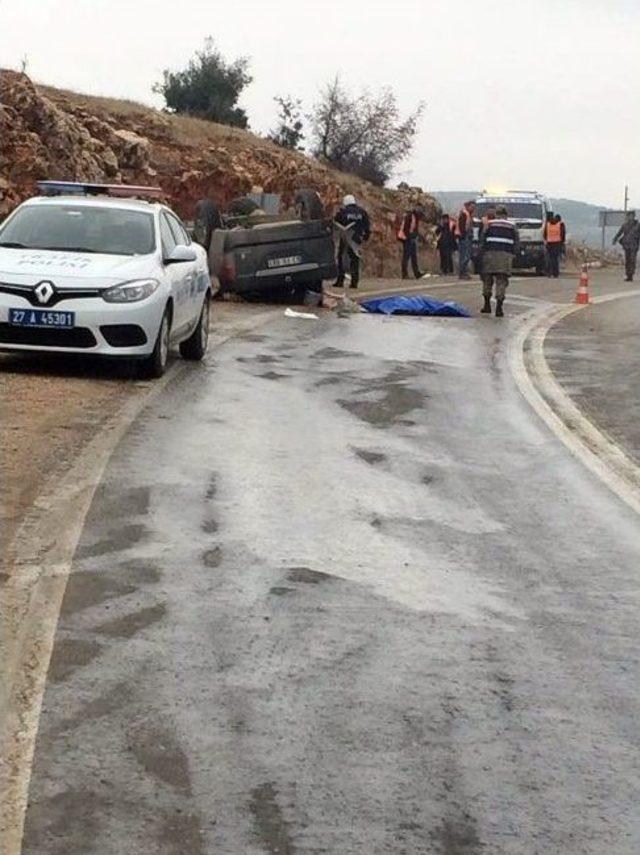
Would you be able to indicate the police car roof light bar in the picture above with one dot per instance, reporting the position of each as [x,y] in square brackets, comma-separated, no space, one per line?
[78,188]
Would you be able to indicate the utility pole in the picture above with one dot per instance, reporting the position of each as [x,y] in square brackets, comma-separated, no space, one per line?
[626,197]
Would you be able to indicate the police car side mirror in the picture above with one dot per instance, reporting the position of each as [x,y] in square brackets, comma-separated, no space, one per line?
[180,254]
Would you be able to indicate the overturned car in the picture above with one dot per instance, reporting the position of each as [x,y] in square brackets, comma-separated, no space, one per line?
[254,249]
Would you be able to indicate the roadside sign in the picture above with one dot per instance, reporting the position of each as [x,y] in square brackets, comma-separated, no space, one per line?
[612,219]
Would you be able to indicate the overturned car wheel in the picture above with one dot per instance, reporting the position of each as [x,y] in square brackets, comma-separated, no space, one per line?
[243,206]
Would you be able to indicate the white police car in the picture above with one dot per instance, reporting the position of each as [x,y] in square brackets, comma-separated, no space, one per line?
[89,268]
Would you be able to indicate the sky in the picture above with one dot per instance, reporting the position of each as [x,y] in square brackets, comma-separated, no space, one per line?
[531,94]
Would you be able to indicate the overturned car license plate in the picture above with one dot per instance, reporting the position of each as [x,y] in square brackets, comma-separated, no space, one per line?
[289,261]
[41,318]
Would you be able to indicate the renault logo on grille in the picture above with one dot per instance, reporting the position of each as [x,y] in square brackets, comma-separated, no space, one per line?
[44,291]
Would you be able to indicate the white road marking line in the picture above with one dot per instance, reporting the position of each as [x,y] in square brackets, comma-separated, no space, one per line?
[523,298]
[45,544]
[549,400]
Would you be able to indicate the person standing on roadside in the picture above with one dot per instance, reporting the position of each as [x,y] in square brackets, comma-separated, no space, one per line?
[563,251]
[464,234]
[629,238]
[408,235]
[445,244]
[554,238]
[354,229]
[498,246]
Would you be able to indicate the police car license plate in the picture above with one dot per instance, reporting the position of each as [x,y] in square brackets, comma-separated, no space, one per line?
[289,261]
[42,318]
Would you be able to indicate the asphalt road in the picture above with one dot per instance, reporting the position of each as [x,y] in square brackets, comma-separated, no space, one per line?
[595,354]
[340,591]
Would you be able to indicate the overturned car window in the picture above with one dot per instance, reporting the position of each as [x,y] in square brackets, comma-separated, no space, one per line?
[80,228]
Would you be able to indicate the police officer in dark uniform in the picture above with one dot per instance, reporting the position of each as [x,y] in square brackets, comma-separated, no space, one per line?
[354,229]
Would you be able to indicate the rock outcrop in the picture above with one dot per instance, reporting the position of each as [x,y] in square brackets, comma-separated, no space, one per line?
[48,133]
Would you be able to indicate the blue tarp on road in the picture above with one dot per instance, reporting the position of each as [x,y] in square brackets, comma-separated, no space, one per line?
[415,305]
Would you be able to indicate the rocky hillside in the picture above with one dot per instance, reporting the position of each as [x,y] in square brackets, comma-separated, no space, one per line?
[50,133]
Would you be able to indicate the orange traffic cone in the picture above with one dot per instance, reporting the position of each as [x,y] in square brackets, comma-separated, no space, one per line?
[582,297]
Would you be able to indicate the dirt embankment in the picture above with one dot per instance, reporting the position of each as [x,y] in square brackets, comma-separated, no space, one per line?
[48,415]
[50,133]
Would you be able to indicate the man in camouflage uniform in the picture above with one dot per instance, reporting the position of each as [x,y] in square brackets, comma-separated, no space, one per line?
[498,245]
[629,238]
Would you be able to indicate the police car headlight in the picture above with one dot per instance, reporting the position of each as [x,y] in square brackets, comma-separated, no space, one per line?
[131,292]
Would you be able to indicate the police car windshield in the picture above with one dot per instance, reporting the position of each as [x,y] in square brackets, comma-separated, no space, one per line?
[80,228]
[515,210]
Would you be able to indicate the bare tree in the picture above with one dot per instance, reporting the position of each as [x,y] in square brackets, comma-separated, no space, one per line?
[364,134]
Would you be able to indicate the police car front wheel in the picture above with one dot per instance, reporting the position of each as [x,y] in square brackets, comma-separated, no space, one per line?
[196,345]
[155,365]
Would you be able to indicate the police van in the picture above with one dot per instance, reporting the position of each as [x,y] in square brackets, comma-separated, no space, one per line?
[527,210]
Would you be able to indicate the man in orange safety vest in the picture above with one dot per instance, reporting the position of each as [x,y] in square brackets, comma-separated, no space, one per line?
[408,234]
[554,239]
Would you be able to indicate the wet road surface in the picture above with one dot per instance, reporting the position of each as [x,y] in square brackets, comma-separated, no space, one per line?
[341,592]
[595,354]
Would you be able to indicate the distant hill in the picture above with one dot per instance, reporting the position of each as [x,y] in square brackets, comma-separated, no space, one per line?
[581,217]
